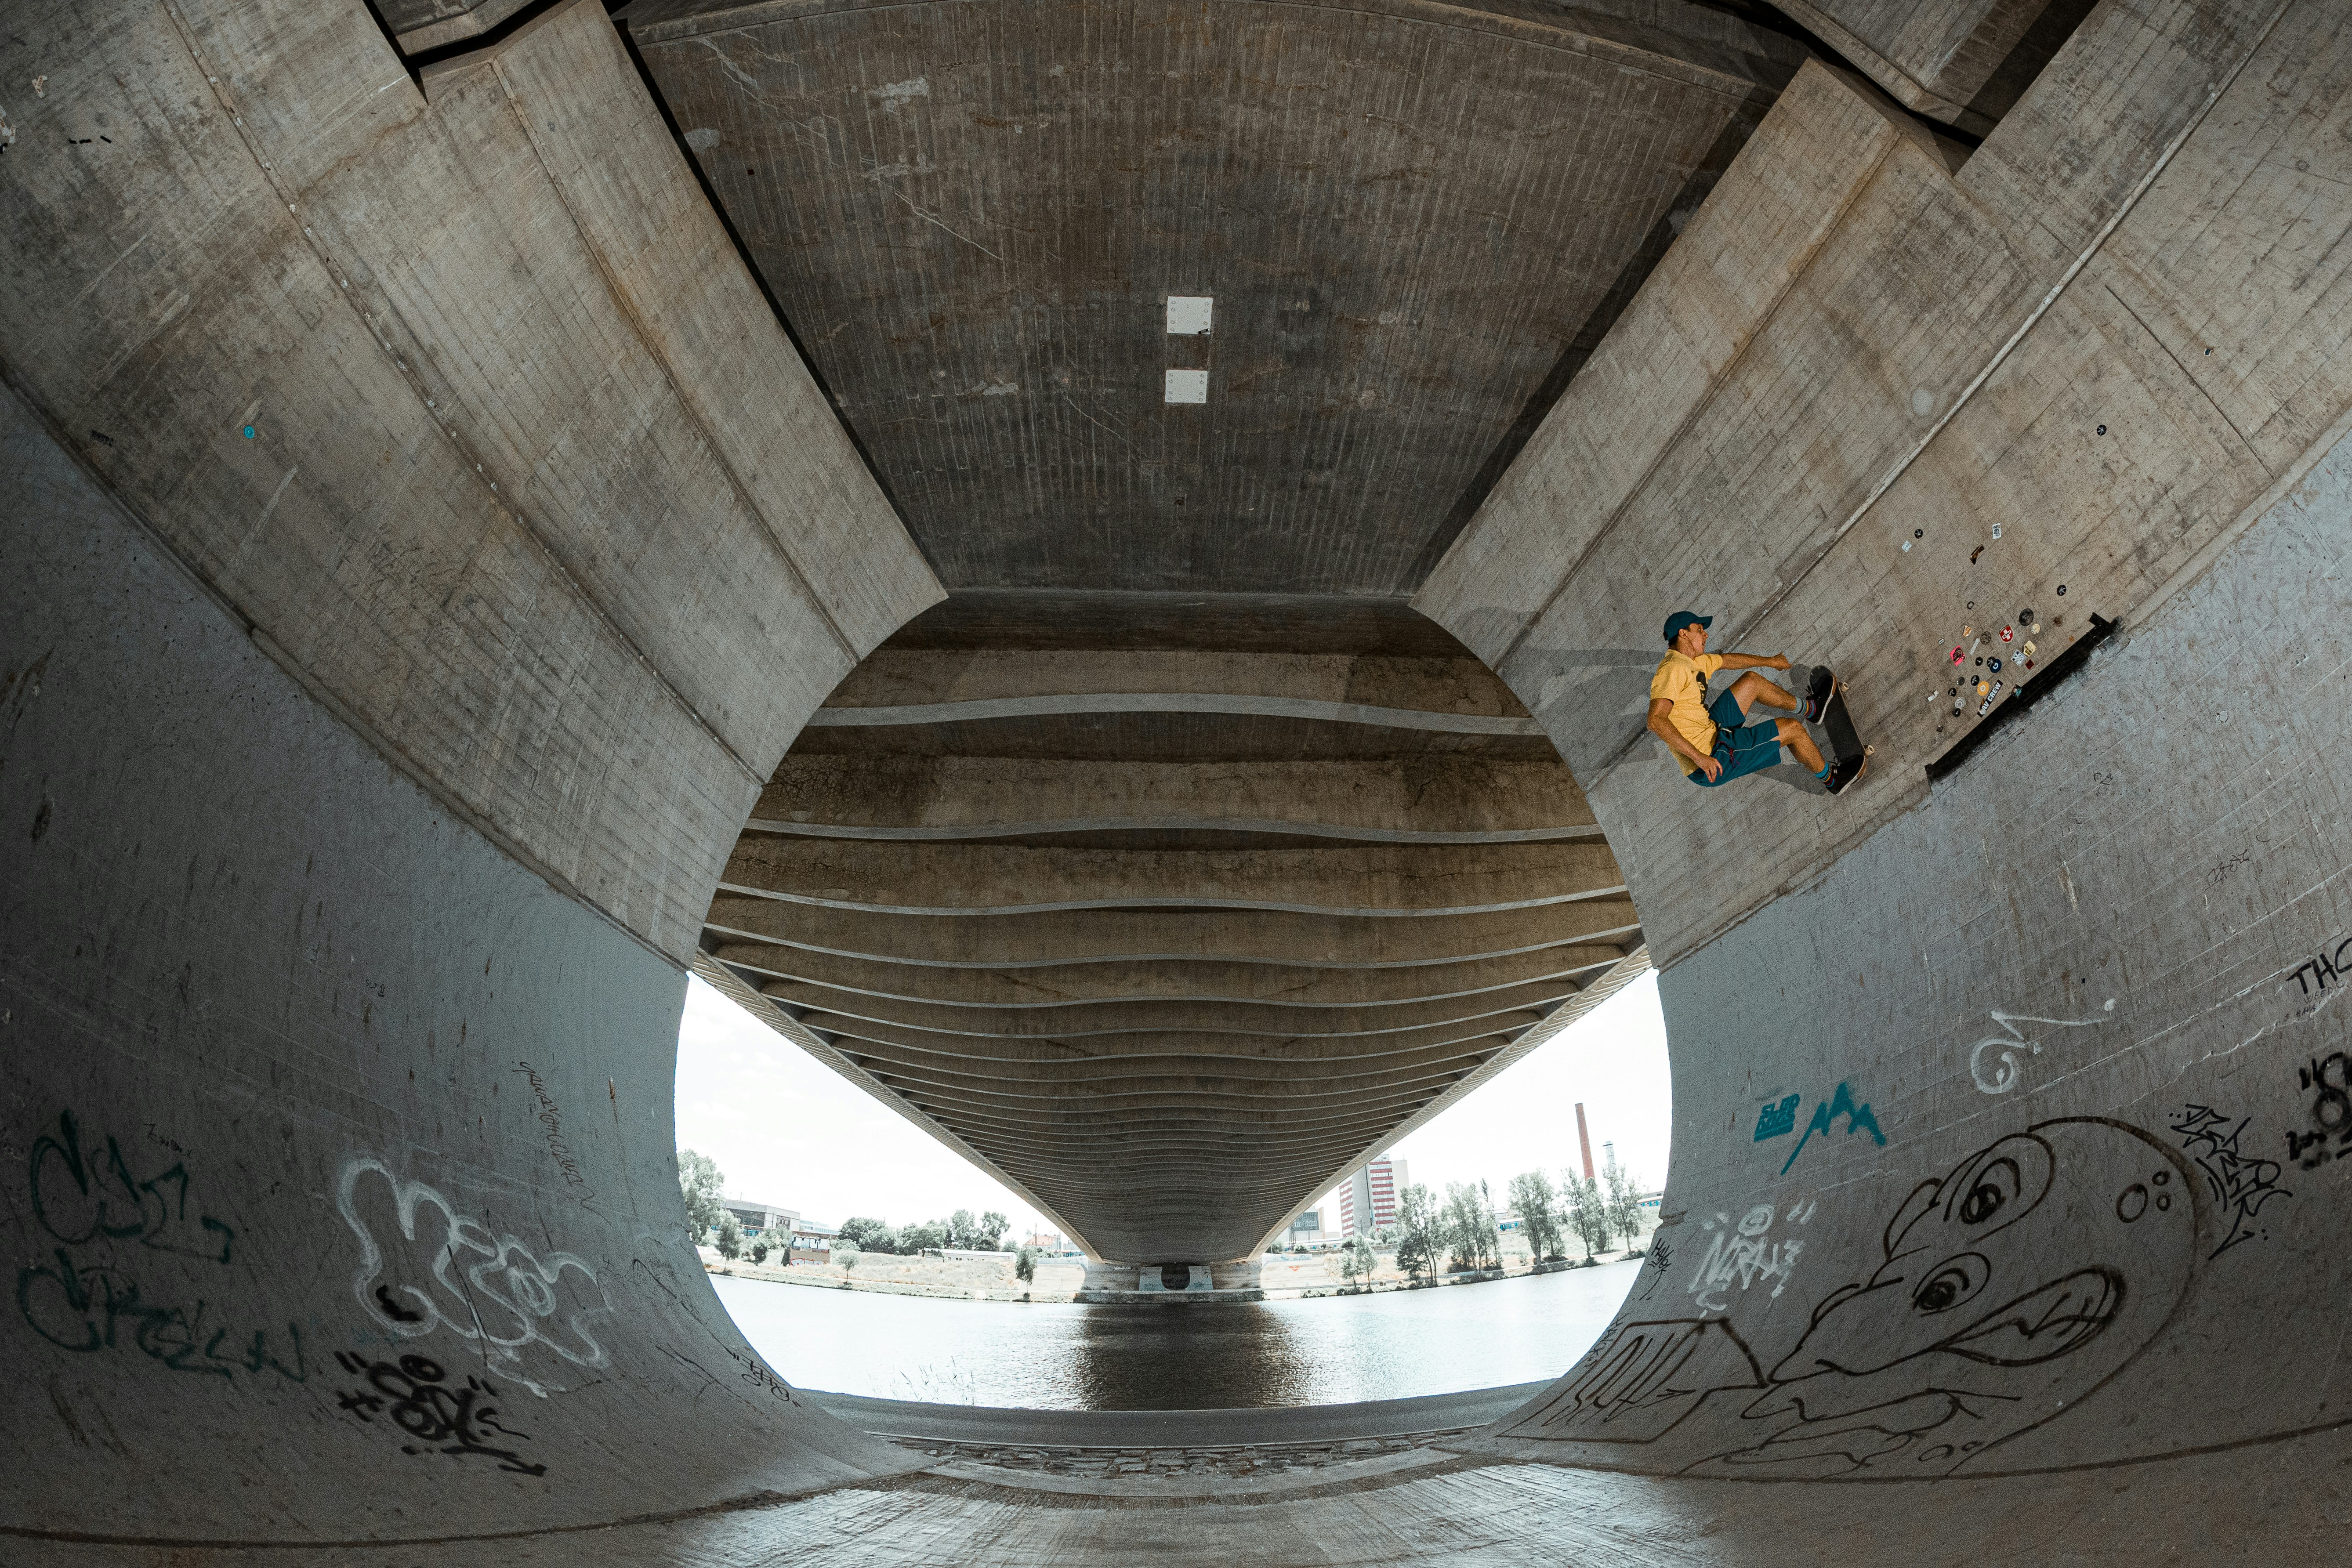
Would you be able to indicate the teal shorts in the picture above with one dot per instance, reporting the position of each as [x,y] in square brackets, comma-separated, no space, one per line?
[1742,749]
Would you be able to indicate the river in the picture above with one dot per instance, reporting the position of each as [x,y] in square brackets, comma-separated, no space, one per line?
[1326,1350]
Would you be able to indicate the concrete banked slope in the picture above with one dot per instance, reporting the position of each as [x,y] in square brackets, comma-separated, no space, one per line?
[375,776]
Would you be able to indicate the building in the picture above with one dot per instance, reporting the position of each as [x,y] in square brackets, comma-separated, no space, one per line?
[1306,1230]
[757,1219]
[1371,1192]
[812,1242]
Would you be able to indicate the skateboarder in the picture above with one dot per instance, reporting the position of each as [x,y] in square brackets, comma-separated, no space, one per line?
[1713,740]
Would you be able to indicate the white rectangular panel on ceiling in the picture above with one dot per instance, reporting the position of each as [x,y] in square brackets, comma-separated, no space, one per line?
[1187,386]
[1187,315]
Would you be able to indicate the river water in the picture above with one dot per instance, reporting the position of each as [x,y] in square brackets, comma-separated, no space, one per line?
[1203,1355]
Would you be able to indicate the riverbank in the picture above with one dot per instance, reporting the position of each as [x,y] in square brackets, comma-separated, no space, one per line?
[1286,1277]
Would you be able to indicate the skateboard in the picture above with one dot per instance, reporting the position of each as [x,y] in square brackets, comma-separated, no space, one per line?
[1845,743]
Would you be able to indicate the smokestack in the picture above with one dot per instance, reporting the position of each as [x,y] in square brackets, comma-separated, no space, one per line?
[1584,1140]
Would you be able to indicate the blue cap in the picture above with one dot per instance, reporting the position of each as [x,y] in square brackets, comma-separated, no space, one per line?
[1681,618]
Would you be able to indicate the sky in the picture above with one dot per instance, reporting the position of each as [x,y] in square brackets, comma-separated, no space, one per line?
[788,1131]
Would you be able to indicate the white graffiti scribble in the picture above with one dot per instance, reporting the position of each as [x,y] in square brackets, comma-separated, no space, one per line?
[2003,1079]
[450,1270]
[1741,1255]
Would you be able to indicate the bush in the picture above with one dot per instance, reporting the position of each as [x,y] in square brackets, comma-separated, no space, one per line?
[730,1237]
[1025,1265]
[760,1250]
[844,1254]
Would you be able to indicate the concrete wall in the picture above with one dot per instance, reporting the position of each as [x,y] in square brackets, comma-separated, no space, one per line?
[1998,1102]
[306,1079]
[538,492]
[421,541]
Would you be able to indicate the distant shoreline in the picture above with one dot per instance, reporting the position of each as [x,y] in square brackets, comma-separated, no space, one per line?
[1064,1291]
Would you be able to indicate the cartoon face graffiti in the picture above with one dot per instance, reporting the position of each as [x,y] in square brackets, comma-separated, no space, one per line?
[2006,1290]
[2010,1287]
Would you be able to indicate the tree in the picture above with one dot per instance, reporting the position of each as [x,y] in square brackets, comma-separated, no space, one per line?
[1025,1265]
[731,1235]
[844,1253]
[1418,1230]
[869,1234]
[760,1250]
[1624,1198]
[1470,1225]
[1356,1260]
[932,1234]
[1588,1215]
[992,1227]
[962,1230]
[1539,1208]
[699,1183]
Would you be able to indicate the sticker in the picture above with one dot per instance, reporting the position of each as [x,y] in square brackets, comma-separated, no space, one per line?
[1967,631]
[248,431]
[1996,531]
[2062,590]
[1906,547]
[1979,550]
[1979,658]
[2024,616]
[1918,534]
[2029,664]
[2103,429]
[2008,633]
[1984,689]
[1958,656]
[1993,665]
[2029,648]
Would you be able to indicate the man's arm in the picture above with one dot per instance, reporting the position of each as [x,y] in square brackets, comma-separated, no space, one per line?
[1662,726]
[1754,661]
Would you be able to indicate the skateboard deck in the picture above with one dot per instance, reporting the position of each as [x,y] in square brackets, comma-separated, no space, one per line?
[1845,743]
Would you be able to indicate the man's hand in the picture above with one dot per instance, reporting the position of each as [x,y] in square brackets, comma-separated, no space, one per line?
[1662,726]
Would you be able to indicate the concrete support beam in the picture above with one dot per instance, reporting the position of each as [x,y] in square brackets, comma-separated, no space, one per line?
[1425,800]
[1062,986]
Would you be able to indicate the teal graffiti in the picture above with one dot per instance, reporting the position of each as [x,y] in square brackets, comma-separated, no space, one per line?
[91,1199]
[1858,1118]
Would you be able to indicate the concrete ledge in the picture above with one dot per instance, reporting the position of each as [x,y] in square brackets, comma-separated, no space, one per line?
[1175,1428]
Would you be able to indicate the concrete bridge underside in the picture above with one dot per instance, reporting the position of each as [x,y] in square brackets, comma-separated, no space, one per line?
[508,505]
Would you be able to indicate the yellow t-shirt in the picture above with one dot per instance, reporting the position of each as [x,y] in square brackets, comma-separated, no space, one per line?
[1682,680]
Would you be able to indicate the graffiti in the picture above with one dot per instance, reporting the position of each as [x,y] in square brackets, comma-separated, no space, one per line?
[2240,1185]
[415,1394]
[2315,974]
[2008,1288]
[1858,1118]
[2003,1078]
[550,1121]
[90,1195]
[1745,1253]
[455,1273]
[2329,1080]
[1777,1119]
[92,1294]
[756,1373]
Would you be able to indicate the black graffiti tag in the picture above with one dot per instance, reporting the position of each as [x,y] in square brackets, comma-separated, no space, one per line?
[2329,1080]
[414,1394]
[2316,972]
[2240,1185]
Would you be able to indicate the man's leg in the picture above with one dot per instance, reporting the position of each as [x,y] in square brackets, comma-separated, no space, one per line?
[1752,687]
[1793,736]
